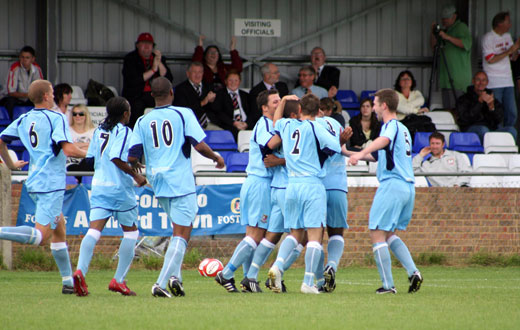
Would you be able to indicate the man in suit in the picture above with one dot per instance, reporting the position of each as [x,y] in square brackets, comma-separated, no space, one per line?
[140,67]
[327,76]
[193,94]
[231,107]
[271,77]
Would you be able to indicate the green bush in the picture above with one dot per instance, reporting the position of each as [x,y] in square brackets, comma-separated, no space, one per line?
[488,259]
[192,258]
[431,259]
[34,259]
[152,262]
[102,262]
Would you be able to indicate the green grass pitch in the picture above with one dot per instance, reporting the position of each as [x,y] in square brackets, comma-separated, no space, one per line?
[450,298]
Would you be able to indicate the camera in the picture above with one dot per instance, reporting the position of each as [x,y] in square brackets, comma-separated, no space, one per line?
[436,29]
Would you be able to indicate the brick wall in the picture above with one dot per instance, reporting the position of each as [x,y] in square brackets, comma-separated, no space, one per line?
[456,222]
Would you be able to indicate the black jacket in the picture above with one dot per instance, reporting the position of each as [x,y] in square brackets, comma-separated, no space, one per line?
[253,94]
[471,112]
[186,96]
[222,109]
[133,69]
[358,137]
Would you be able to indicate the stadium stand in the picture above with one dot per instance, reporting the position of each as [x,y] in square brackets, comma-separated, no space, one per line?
[77,96]
[467,142]
[243,140]
[20,110]
[361,167]
[487,163]
[513,166]
[221,140]
[237,162]
[500,142]
[4,118]
[443,120]
[367,94]
[200,163]
[421,140]
[348,99]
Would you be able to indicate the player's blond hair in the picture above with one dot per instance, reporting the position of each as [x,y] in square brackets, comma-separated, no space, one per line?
[38,89]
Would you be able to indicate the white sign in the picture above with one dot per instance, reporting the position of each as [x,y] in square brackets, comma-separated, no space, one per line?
[256,27]
[97,114]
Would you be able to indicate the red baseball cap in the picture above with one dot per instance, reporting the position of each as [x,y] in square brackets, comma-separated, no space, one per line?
[145,36]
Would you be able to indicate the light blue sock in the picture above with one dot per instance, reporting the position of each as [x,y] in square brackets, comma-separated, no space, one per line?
[295,253]
[86,249]
[61,256]
[247,264]
[335,251]
[126,254]
[312,259]
[262,252]
[287,246]
[320,280]
[384,263]
[172,260]
[21,234]
[402,253]
[243,251]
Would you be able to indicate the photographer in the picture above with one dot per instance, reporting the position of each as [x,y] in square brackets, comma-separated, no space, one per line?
[455,40]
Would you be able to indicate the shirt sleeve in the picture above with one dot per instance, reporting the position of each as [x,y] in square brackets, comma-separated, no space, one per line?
[389,131]
[465,36]
[12,81]
[328,142]
[194,133]
[60,129]
[92,147]
[119,148]
[11,132]
[136,141]
[487,47]
[263,135]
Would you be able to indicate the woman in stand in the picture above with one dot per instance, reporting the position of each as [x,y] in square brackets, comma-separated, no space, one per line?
[81,131]
[365,126]
[410,100]
[62,97]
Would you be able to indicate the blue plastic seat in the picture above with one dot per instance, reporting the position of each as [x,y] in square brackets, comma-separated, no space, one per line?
[353,113]
[237,162]
[465,142]
[421,140]
[20,110]
[367,94]
[221,140]
[4,117]
[348,99]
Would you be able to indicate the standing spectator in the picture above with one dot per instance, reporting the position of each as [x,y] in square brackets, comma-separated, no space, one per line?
[457,48]
[442,160]
[271,79]
[331,108]
[140,67]
[62,97]
[478,111]
[327,76]
[214,68]
[196,95]
[231,106]
[307,76]
[21,75]
[81,130]
[365,126]
[497,50]
[411,101]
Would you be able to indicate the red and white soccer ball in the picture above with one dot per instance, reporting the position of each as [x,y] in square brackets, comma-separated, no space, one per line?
[210,267]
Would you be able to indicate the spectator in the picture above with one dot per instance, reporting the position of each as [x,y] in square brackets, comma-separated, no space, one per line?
[140,67]
[231,106]
[327,76]
[331,108]
[457,41]
[497,49]
[21,75]
[478,111]
[81,131]
[271,76]
[214,68]
[307,76]
[62,97]
[365,126]
[442,160]
[196,95]
[411,101]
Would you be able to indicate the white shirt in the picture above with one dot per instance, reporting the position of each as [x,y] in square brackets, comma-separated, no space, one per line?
[409,105]
[242,113]
[499,73]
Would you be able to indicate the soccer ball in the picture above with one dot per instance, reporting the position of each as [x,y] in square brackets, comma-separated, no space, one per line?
[210,267]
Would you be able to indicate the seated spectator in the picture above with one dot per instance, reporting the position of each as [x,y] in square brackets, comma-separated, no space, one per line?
[21,75]
[331,108]
[410,100]
[442,160]
[271,76]
[365,126]
[478,111]
[231,106]
[196,95]
[214,68]
[327,76]
[81,131]
[140,67]
[307,75]
[62,97]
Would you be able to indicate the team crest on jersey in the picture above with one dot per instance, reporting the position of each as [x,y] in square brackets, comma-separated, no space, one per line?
[451,161]
[264,218]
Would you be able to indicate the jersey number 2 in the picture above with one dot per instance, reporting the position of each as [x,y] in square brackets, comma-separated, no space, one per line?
[296,136]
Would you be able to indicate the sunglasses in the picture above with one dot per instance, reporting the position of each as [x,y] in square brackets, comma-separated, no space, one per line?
[81,114]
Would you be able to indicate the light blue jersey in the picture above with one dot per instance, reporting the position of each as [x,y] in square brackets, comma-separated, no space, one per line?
[262,133]
[306,146]
[112,189]
[279,172]
[41,132]
[395,161]
[164,135]
[336,178]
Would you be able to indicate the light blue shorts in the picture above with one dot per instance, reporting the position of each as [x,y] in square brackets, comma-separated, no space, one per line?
[392,206]
[48,207]
[305,205]
[125,218]
[180,210]
[255,202]
[337,209]
[276,219]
